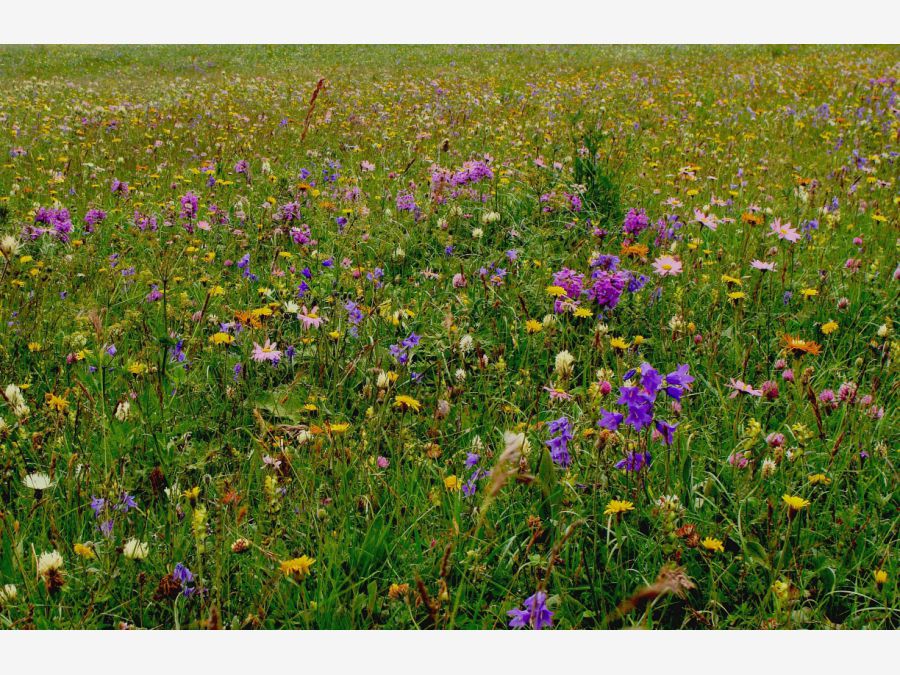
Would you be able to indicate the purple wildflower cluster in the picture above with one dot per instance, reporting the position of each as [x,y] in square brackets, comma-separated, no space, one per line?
[58,222]
[190,206]
[534,614]
[472,172]
[559,443]
[402,351]
[640,399]
[635,222]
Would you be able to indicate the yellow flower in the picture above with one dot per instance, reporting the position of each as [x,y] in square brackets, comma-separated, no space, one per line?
[583,313]
[615,507]
[192,494]
[881,577]
[297,567]
[732,280]
[137,368]
[816,478]
[533,326]
[556,291]
[57,403]
[737,295]
[829,328]
[85,551]
[221,338]
[795,503]
[809,292]
[452,483]
[712,544]
[34,346]
[405,402]
[618,343]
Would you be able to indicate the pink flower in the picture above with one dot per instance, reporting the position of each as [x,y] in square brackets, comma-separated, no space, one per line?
[742,387]
[706,219]
[763,266]
[268,352]
[310,319]
[784,231]
[667,266]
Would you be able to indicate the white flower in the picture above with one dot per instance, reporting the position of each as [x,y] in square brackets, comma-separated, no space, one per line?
[465,343]
[383,381]
[883,330]
[9,593]
[4,427]
[48,562]
[563,365]
[16,401]
[135,550]
[37,481]
[9,246]
[460,375]
[122,411]
[291,307]
[477,233]
[768,468]
[513,446]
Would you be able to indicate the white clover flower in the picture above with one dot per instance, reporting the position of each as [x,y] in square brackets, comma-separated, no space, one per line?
[768,468]
[49,561]
[466,343]
[8,593]
[477,233]
[122,411]
[563,366]
[135,549]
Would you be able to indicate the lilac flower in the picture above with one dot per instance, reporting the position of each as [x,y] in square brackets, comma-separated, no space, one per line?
[559,444]
[534,614]
[472,459]
[97,505]
[127,502]
[634,462]
[610,419]
[189,206]
[635,222]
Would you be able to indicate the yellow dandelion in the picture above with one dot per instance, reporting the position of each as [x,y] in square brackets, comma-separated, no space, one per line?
[57,403]
[138,368]
[616,506]
[221,338]
[85,551]
[452,483]
[533,326]
[713,544]
[819,478]
[881,577]
[809,292]
[405,402]
[618,343]
[556,291]
[829,327]
[297,568]
[795,503]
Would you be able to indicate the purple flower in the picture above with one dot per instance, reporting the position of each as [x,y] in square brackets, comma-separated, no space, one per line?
[610,419]
[534,614]
[472,459]
[127,502]
[634,461]
[559,444]
[97,505]
[666,431]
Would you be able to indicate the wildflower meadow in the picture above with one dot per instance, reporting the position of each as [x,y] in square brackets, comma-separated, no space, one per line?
[363,337]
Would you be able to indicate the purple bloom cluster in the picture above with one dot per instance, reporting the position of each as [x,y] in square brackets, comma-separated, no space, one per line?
[402,351]
[190,205]
[58,222]
[640,399]
[288,213]
[559,444]
[184,576]
[534,614]
[471,172]
[635,222]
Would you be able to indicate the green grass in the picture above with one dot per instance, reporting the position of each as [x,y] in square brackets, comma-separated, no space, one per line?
[739,132]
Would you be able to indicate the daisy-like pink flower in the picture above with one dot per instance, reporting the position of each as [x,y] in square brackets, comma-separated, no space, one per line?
[784,231]
[267,352]
[762,266]
[742,387]
[667,266]
[706,219]
[558,394]
[310,319]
